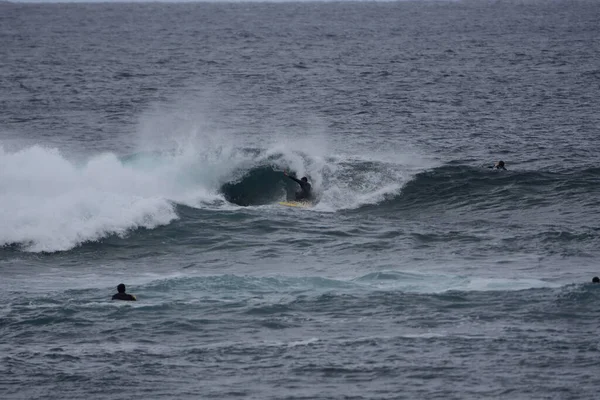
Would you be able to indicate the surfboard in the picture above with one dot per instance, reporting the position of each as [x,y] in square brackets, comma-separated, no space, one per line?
[296,203]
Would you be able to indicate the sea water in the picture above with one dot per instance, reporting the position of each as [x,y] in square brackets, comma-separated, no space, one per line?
[145,144]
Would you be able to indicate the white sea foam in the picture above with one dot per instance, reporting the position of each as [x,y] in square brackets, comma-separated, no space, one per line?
[48,203]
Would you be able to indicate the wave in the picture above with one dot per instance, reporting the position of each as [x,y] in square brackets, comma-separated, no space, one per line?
[52,202]
[260,185]
[339,184]
[391,293]
[454,187]
[401,281]
[179,287]
[359,184]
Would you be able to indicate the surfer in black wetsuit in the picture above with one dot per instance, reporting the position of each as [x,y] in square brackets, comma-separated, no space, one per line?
[305,192]
[122,295]
[498,165]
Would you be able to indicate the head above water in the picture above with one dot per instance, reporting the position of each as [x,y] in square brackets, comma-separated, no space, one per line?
[304,179]
[500,163]
[121,288]
[595,280]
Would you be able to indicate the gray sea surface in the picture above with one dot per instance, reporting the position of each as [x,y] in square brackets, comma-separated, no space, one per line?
[146,144]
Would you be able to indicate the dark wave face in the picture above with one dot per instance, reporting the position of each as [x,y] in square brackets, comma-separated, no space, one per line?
[258,186]
[474,188]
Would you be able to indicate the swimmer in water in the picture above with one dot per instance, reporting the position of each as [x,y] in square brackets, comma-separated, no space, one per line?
[121,295]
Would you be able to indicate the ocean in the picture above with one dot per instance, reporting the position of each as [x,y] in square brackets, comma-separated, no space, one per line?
[146,144]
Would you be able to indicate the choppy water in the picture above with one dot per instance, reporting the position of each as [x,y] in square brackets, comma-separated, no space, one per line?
[145,144]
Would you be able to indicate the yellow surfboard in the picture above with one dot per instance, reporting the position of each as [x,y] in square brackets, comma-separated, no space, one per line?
[296,203]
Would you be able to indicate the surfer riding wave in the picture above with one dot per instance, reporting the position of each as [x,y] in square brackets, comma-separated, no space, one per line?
[305,191]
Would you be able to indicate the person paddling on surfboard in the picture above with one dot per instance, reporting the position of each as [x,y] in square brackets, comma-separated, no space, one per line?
[121,295]
[305,192]
[498,165]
